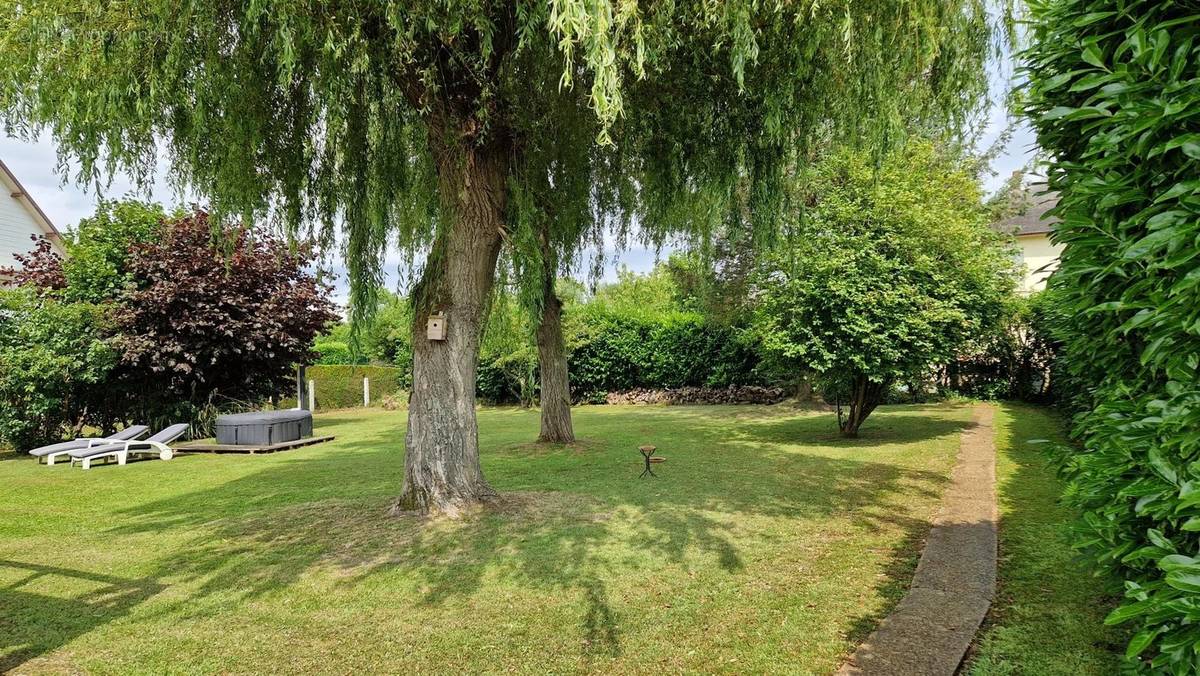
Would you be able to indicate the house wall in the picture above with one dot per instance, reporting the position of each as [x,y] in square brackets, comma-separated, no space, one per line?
[16,227]
[1040,257]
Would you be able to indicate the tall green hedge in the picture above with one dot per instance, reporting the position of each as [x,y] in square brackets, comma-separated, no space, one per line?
[616,352]
[613,352]
[340,385]
[1114,93]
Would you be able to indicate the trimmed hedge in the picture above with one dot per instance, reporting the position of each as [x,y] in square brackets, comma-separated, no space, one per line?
[1114,94]
[340,385]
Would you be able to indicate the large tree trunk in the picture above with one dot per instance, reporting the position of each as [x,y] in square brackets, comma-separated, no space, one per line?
[552,353]
[865,396]
[441,464]
[552,363]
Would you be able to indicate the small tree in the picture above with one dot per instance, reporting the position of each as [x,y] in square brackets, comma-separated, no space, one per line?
[226,316]
[1014,360]
[892,270]
[95,267]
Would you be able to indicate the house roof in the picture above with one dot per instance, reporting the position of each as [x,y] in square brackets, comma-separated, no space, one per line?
[1033,219]
[26,200]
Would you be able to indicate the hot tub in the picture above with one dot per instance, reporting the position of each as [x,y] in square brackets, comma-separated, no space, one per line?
[263,428]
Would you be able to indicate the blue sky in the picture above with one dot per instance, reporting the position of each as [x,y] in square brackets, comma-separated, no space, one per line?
[35,165]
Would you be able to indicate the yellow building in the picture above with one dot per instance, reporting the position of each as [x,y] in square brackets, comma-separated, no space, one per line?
[1032,228]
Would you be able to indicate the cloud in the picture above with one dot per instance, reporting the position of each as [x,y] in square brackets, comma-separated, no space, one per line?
[35,164]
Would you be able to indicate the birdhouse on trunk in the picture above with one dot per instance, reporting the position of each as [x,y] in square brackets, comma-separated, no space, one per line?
[436,328]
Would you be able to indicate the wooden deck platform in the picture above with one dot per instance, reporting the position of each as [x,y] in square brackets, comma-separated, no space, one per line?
[205,447]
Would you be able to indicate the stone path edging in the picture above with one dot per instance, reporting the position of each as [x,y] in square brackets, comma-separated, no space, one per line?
[930,630]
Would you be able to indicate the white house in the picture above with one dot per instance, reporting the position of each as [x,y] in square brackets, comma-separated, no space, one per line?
[1032,228]
[20,220]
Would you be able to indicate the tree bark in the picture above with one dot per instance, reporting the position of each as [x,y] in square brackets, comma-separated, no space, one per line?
[865,396]
[442,474]
[552,364]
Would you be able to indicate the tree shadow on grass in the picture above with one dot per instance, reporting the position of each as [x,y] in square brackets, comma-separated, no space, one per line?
[35,618]
[1042,616]
[879,429]
[897,575]
[563,525]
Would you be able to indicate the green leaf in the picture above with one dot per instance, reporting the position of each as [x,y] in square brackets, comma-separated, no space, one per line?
[1161,541]
[1184,581]
[1150,243]
[1141,641]
[1091,18]
[1161,220]
[1059,80]
[1182,140]
[1090,81]
[1128,611]
[1160,465]
[1092,54]
[1058,112]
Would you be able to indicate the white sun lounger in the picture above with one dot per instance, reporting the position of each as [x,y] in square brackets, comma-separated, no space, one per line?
[55,451]
[155,445]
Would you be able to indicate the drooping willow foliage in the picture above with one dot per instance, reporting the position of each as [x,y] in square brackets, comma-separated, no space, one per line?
[673,115]
[1114,93]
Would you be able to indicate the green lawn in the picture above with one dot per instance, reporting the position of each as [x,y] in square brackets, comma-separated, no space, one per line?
[766,545]
[1049,612]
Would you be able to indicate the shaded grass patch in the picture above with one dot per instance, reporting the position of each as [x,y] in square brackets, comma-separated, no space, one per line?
[1049,609]
[763,546]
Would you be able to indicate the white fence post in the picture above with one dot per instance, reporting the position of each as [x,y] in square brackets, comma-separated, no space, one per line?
[312,395]
[366,391]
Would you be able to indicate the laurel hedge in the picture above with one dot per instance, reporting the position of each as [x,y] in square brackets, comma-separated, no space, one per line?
[1114,93]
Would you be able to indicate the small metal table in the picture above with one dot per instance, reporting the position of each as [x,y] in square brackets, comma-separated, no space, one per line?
[646,452]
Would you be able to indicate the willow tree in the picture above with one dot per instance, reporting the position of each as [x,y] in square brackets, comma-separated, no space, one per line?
[417,124]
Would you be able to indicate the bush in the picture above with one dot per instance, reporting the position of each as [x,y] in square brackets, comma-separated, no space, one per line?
[203,317]
[229,316]
[96,266]
[631,334]
[1015,360]
[507,357]
[384,339]
[507,378]
[52,357]
[335,352]
[1113,94]
[617,352]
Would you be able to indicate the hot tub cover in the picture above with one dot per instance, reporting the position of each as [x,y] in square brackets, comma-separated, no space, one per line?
[261,417]
[263,427]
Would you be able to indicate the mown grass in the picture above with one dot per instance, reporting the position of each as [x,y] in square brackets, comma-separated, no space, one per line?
[1049,612]
[767,544]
